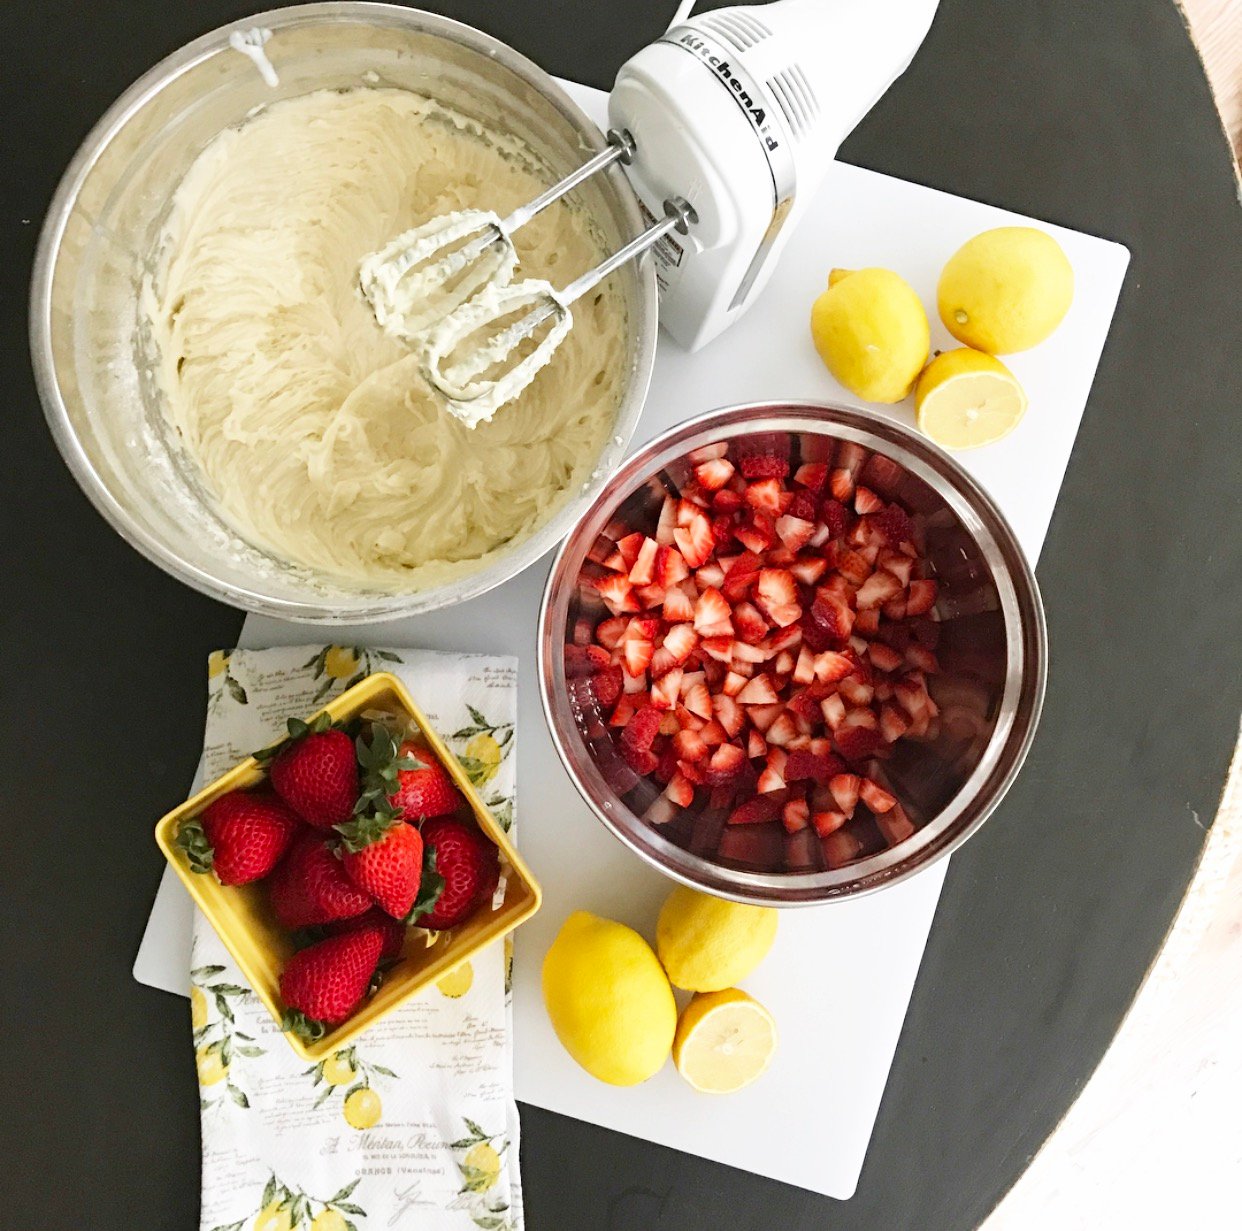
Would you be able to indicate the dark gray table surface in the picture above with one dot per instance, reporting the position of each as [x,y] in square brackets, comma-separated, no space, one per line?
[1096,116]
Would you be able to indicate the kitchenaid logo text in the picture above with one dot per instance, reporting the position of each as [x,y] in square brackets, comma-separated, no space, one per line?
[724,70]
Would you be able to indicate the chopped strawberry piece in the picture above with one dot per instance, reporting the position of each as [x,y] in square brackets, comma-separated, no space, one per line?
[694,539]
[803,765]
[670,567]
[758,691]
[921,597]
[867,623]
[678,607]
[642,730]
[680,790]
[641,762]
[636,655]
[803,505]
[597,656]
[699,701]
[740,576]
[609,632]
[629,547]
[841,484]
[750,625]
[666,689]
[895,609]
[722,529]
[713,616]
[827,623]
[893,723]
[883,657]
[853,567]
[711,575]
[866,501]
[804,667]
[856,743]
[729,714]
[607,687]
[757,535]
[877,589]
[775,588]
[726,500]
[893,525]
[626,709]
[713,474]
[617,593]
[755,812]
[845,790]
[828,822]
[812,475]
[689,745]
[875,796]
[763,716]
[782,730]
[756,745]
[713,734]
[833,709]
[733,684]
[763,455]
[831,666]
[680,642]
[765,496]
[895,562]
[795,815]
[718,648]
[786,638]
[794,532]
[725,764]
[784,663]
[642,571]
[921,657]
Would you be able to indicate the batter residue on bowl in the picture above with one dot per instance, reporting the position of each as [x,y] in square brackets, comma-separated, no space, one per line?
[316,431]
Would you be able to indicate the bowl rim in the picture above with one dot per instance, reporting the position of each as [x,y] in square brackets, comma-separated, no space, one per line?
[387,605]
[1025,683]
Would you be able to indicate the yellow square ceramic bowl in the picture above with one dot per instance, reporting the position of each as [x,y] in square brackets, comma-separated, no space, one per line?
[260,946]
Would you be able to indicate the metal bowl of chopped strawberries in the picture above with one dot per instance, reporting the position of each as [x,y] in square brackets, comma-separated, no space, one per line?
[793,653]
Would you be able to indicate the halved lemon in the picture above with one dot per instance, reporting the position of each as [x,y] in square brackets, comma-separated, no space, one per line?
[724,1041]
[965,399]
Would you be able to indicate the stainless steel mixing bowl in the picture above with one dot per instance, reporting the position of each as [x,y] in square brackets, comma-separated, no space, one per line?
[992,653]
[100,236]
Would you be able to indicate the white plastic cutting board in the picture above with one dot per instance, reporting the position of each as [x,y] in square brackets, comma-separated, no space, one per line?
[839,977]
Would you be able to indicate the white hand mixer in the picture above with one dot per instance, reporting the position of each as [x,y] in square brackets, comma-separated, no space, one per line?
[726,126]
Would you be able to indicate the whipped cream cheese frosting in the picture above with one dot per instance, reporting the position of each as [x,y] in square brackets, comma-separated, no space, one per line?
[313,427]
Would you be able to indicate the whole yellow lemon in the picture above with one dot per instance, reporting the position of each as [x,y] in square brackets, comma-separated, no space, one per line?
[1005,290]
[608,999]
[707,944]
[871,330]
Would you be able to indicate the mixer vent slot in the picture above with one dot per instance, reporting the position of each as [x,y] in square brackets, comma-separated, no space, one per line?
[738,28]
[794,97]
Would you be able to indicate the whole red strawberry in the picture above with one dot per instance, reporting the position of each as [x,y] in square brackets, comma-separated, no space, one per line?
[403,778]
[311,887]
[467,863]
[324,983]
[424,791]
[315,772]
[241,836]
[383,856]
[393,929]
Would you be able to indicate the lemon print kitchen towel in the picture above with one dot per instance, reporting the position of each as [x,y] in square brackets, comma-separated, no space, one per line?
[413,1125]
